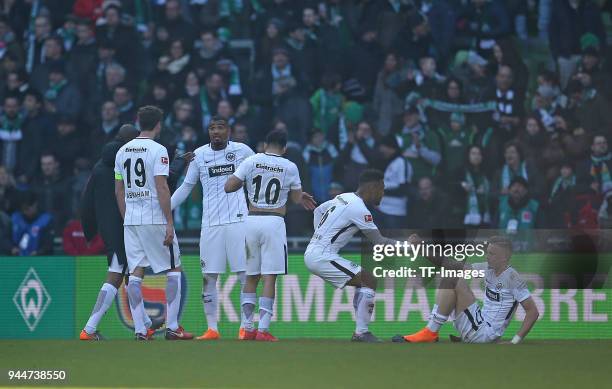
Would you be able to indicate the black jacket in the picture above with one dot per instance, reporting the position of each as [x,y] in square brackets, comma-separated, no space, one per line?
[99,209]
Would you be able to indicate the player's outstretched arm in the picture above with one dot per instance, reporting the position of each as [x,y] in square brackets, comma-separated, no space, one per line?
[232,184]
[120,196]
[163,196]
[182,192]
[306,199]
[531,316]
[375,237]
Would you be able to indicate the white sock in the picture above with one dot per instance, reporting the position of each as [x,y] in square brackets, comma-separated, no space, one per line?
[248,301]
[365,307]
[173,299]
[242,279]
[209,299]
[105,300]
[436,319]
[356,299]
[266,305]
[134,290]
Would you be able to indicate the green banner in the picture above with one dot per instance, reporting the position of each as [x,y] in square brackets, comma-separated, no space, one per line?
[37,297]
[306,307]
[53,298]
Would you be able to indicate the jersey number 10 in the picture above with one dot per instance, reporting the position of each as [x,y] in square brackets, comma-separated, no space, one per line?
[139,171]
[272,190]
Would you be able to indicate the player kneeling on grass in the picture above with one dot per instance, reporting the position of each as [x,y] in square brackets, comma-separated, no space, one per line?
[504,290]
[143,197]
[270,179]
[335,223]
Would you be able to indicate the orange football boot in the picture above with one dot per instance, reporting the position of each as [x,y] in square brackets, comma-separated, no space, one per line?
[85,336]
[265,337]
[247,335]
[210,334]
[423,336]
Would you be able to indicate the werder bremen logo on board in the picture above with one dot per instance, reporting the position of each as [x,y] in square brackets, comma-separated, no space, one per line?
[31,299]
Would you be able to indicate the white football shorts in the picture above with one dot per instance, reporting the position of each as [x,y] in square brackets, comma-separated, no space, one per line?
[144,246]
[266,237]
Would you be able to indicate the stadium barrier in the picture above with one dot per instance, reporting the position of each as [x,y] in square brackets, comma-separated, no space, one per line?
[52,297]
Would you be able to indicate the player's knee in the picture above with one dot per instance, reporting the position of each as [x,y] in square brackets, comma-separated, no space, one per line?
[367,279]
[209,283]
[114,279]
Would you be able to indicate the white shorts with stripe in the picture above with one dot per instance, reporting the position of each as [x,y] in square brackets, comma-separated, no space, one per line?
[266,237]
[331,267]
[220,245]
[473,327]
[115,266]
[144,246]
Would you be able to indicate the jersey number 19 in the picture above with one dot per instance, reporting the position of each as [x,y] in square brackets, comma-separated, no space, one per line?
[139,171]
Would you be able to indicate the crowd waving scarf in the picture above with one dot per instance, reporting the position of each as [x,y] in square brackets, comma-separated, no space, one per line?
[599,169]
[508,175]
[564,183]
[474,205]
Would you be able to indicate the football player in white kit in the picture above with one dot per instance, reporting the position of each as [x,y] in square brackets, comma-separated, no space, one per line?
[222,238]
[143,197]
[504,290]
[270,179]
[335,223]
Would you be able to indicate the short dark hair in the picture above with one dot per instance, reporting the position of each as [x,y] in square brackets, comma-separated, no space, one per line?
[149,116]
[501,241]
[27,199]
[371,175]
[217,119]
[277,137]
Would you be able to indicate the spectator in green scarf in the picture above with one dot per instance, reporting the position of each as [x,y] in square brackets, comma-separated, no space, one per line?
[420,145]
[327,103]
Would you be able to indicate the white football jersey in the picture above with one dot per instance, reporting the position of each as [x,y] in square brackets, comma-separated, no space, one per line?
[212,168]
[337,220]
[502,296]
[268,179]
[137,163]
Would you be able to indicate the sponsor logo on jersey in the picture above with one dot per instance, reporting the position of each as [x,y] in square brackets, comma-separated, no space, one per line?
[368,218]
[164,160]
[154,298]
[274,169]
[491,295]
[221,170]
[31,299]
[135,149]
[231,157]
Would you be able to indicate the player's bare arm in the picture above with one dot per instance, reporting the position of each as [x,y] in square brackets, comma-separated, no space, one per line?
[232,184]
[531,316]
[163,196]
[303,198]
[120,195]
[375,237]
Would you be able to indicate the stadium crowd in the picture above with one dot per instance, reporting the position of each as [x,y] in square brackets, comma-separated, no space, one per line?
[480,112]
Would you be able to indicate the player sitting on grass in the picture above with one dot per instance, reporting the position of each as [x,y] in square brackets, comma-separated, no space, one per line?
[270,179]
[335,223]
[504,290]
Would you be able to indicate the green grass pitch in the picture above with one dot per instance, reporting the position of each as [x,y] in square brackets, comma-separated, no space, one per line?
[312,364]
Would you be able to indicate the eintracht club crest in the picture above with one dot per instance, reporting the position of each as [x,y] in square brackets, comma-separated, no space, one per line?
[32,299]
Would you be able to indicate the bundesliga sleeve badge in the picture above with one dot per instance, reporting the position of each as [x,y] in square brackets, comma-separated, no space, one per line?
[164,160]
